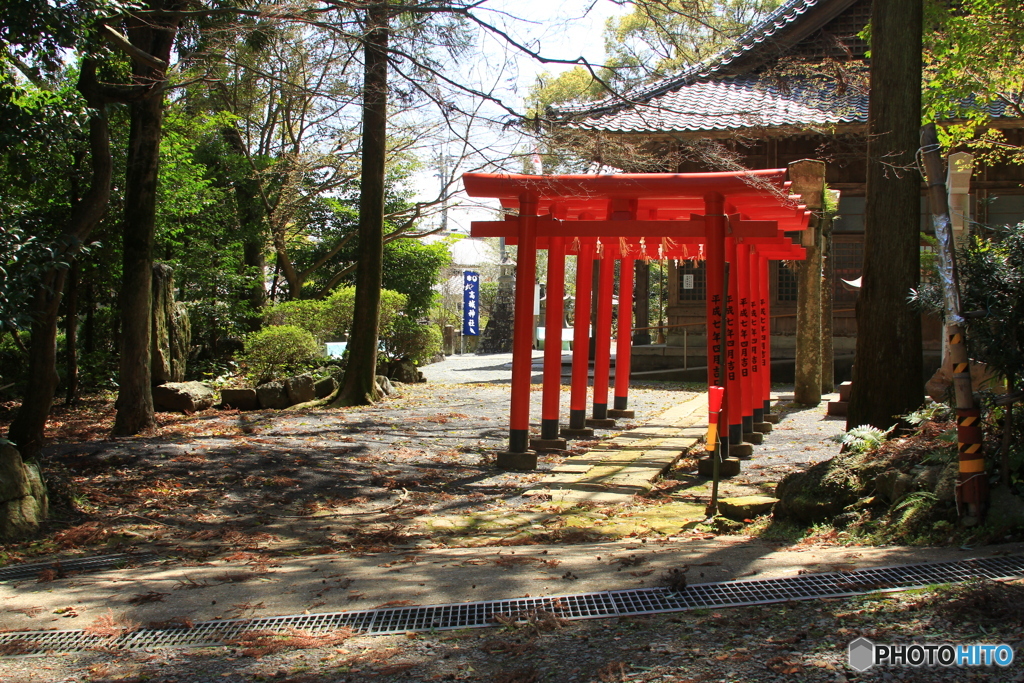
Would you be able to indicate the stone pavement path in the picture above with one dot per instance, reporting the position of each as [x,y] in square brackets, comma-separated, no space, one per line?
[628,464]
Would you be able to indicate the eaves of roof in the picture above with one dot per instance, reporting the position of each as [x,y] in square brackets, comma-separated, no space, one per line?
[736,103]
[786,26]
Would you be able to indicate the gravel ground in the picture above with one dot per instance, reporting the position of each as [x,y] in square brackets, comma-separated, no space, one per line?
[428,450]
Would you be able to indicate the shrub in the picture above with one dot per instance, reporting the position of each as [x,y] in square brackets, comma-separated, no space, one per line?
[328,319]
[419,342]
[278,350]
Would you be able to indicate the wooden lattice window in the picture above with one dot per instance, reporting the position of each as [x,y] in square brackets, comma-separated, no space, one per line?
[692,281]
[847,262]
[785,283]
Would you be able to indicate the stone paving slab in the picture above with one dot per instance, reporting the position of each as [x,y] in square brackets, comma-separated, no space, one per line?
[626,465]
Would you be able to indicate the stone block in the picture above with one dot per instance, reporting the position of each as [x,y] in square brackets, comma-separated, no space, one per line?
[599,423]
[755,438]
[325,387]
[273,395]
[182,397]
[242,399]
[740,450]
[300,389]
[837,408]
[763,427]
[730,467]
[517,461]
[548,444]
[746,507]
[581,433]
[771,418]
[624,414]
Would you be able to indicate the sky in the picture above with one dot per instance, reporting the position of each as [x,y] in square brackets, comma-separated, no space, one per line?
[559,29]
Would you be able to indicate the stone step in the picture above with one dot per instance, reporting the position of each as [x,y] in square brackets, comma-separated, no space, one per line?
[844,391]
[837,408]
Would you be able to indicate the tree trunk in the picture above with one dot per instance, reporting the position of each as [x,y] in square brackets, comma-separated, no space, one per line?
[887,377]
[135,399]
[27,429]
[359,386]
[71,335]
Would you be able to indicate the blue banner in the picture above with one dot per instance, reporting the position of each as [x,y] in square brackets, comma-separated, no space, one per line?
[470,303]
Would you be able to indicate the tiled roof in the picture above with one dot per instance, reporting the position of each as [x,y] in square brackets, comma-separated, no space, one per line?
[743,55]
[735,103]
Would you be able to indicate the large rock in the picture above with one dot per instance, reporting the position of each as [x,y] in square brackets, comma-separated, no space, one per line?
[243,399]
[172,333]
[182,397]
[273,395]
[819,493]
[945,489]
[384,385]
[23,500]
[982,378]
[325,387]
[300,389]
[406,371]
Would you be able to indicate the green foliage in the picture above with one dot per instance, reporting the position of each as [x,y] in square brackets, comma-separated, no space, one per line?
[973,61]
[862,439]
[992,273]
[412,340]
[412,268]
[331,318]
[279,350]
[930,411]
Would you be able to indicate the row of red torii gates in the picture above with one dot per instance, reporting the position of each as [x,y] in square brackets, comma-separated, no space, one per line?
[735,218]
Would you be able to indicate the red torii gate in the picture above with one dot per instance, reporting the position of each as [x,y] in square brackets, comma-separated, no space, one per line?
[734,217]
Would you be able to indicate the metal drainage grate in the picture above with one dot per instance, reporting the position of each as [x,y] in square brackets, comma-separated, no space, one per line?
[582,606]
[87,564]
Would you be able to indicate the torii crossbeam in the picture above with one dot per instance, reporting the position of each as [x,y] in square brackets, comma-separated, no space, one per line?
[737,217]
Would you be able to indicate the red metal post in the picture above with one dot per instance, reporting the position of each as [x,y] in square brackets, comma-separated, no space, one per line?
[603,332]
[714,271]
[581,339]
[522,336]
[553,340]
[624,342]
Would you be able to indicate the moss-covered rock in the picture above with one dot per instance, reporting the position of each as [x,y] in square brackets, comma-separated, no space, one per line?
[23,501]
[821,492]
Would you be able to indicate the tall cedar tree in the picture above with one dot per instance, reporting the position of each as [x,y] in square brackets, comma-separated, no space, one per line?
[153,36]
[887,376]
[359,385]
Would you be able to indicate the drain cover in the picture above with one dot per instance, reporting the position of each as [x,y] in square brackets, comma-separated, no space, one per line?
[85,564]
[581,606]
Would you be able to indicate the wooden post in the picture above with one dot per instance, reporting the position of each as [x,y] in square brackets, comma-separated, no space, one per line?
[714,270]
[552,389]
[518,457]
[808,178]
[972,490]
[623,342]
[603,337]
[581,346]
